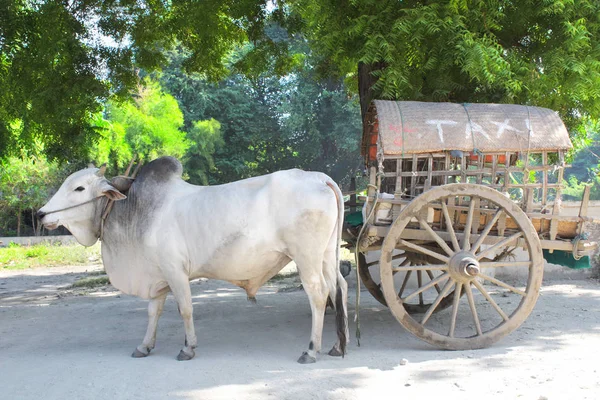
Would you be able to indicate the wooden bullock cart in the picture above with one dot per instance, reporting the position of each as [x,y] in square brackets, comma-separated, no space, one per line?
[463,200]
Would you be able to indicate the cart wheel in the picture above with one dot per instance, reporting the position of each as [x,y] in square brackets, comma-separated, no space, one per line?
[447,216]
[402,259]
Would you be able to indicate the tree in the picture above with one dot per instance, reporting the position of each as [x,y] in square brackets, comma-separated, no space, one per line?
[61,60]
[149,126]
[25,183]
[152,125]
[205,138]
[544,53]
[322,124]
[271,123]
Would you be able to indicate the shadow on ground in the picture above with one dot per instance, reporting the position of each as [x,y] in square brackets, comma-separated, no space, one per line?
[244,348]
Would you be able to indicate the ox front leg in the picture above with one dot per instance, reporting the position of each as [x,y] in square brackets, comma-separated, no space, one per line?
[155,308]
[317,292]
[183,294]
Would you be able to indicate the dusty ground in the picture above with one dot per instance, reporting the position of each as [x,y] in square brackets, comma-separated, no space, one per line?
[57,344]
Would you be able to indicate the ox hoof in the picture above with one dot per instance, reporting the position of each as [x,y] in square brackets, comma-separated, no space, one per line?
[140,354]
[305,358]
[184,356]
[335,352]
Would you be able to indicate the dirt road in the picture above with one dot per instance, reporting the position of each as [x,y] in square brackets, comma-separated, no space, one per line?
[57,344]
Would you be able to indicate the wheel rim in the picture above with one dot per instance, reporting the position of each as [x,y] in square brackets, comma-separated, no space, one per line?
[462,264]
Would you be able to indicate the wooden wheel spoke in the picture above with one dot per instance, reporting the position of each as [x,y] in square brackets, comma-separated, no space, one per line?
[497,264]
[437,301]
[473,308]
[437,267]
[466,245]
[420,290]
[431,277]
[419,284]
[449,226]
[486,230]
[423,250]
[485,294]
[502,284]
[404,282]
[455,304]
[436,237]
[500,244]
[395,257]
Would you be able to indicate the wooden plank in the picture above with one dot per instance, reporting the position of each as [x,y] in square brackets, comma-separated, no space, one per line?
[418,234]
[556,209]
[506,172]
[396,208]
[584,207]
[493,180]
[413,179]
[544,178]
[446,168]
[429,173]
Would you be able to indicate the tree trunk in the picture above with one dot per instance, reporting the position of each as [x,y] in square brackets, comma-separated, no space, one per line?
[19,223]
[366,93]
[33,222]
[366,80]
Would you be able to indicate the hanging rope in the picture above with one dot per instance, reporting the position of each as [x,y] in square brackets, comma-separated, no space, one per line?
[475,149]
[380,173]
[576,240]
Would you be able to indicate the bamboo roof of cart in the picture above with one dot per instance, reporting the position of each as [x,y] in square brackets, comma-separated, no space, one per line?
[408,127]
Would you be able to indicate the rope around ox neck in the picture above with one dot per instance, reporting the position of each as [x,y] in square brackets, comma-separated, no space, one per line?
[76,205]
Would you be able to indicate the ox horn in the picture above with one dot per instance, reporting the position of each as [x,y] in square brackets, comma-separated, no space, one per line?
[102,170]
[121,183]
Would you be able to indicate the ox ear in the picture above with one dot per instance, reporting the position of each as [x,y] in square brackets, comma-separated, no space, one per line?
[121,183]
[111,192]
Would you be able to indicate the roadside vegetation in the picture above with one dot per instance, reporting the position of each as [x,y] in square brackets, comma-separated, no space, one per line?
[90,282]
[16,257]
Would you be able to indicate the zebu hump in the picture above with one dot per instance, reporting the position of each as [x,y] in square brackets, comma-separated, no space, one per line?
[159,171]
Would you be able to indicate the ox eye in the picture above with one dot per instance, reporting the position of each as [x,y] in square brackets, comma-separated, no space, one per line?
[80,189]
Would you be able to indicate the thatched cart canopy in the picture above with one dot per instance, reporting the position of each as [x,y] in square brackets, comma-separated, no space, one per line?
[408,127]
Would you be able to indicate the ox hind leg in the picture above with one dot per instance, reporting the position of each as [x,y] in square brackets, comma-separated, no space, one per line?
[155,308]
[313,281]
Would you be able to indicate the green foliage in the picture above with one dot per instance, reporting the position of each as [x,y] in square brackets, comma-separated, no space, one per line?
[322,125]
[148,126]
[25,184]
[43,255]
[90,282]
[528,52]
[585,166]
[269,123]
[205,138]
[60,61]
[49,75]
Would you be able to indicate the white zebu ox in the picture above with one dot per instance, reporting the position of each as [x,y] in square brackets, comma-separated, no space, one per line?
[167,232]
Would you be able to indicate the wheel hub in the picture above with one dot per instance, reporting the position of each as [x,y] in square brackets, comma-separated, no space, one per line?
[464,267]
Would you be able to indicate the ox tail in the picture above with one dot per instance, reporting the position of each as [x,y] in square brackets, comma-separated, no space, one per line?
[341,312]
